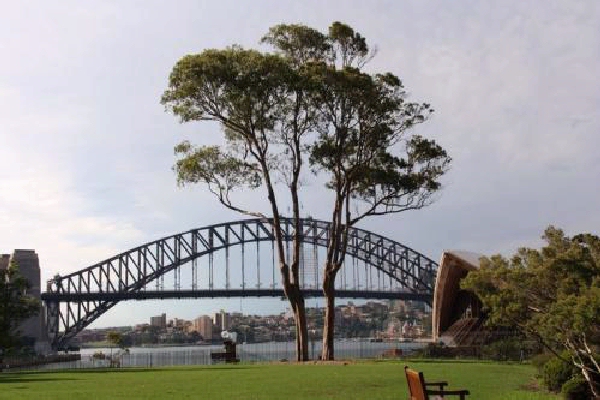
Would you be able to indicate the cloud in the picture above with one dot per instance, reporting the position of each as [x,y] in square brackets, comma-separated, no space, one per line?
[510,92]
[86,148]
[41,206]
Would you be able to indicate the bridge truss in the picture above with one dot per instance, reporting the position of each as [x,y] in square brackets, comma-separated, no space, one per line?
[389,270]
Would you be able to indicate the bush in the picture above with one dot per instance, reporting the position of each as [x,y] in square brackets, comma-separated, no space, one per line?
[508,349]
[539,360]
[576,388]
[557,372]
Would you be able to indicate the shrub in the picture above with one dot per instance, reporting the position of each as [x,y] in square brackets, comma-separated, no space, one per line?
[539,360]
[557,372]
[576,388]
[507,349]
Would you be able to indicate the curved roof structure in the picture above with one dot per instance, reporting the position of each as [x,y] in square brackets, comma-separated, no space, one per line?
[454,266]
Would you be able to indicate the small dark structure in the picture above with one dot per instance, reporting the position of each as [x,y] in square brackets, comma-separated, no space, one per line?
[230,353]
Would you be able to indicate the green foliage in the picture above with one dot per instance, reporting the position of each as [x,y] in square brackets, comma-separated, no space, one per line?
[309,102]
[220,171]
[15,305]
[539,360]
[552,294]
[115,338]
[508,349]
[556,372]
[268,103]
[298,43]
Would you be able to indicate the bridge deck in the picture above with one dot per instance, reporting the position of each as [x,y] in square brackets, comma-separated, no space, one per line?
[220,293]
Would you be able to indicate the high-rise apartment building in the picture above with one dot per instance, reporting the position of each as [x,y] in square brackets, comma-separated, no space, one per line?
[159,321]
[222,321]
[204,326]
[29,267]
[4,260]
[217,321]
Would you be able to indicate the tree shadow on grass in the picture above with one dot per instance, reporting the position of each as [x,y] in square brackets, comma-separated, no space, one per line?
[199,368]
[28,378]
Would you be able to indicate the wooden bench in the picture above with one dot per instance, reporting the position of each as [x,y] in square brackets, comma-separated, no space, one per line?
[420,390]
[229,355]
[224,356]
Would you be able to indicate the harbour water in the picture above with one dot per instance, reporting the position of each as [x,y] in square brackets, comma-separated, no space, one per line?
[247,352]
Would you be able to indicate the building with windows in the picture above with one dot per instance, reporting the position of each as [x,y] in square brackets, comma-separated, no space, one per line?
[204,326]
[160,321]
[222,321]
[4,260]
[33,330]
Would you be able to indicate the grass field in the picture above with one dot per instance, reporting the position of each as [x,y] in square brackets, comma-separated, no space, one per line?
[362,380]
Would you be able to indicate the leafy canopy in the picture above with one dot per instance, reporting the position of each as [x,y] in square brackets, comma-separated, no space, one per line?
[552,294]
[307,102]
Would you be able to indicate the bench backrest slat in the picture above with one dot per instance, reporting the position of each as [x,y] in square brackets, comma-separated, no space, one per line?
[416,384]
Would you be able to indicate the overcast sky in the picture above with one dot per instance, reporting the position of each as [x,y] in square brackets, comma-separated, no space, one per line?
[86,149]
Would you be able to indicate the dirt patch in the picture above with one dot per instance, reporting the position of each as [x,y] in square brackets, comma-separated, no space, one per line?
[531,386]
[334,362]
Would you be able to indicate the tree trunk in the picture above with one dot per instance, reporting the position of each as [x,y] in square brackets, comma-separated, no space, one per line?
[297,302]
[590,379]
[302,331]
[329,321]
[591,382]
[580,352]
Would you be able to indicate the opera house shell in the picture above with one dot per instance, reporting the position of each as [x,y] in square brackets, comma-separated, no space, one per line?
[454,309]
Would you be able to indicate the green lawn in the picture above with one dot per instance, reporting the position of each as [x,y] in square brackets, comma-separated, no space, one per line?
[363,380]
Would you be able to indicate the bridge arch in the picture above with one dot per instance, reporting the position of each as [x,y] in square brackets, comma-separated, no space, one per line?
[75,300]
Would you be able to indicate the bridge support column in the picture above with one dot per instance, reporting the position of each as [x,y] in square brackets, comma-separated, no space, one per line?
[52,322]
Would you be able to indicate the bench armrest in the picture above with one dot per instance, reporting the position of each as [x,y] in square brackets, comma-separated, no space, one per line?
[439,384]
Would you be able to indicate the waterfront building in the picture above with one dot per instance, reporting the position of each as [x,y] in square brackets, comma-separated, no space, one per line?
[4,260]
[204,326]
[33,329]
[217,321]
[160,321]
[222,321]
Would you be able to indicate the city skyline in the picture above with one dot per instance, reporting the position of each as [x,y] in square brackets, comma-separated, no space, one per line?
[389,319]
[87,149]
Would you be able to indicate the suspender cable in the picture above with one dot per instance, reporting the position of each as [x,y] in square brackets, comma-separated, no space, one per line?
[210,259]
[194,275]
[257,263]
[194,266]
[243,263]
[226,258]
[273,260]
[301,264]
[210,270]
[354,271]
[157,266]
[344,274]
[367,276]
[316,265]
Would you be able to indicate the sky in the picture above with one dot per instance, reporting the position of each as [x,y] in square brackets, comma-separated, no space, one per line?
[86,148]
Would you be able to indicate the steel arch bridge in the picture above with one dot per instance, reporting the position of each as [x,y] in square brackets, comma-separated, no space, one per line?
[391,271]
